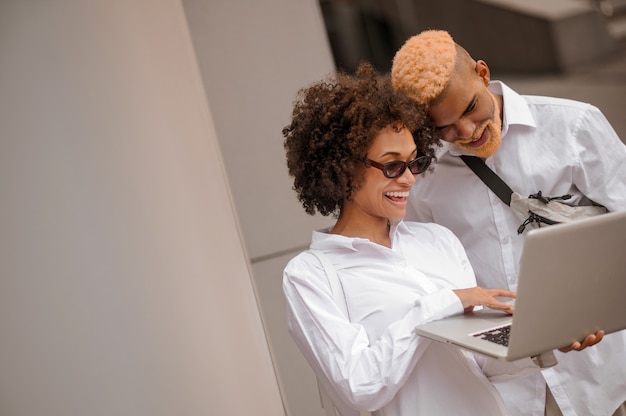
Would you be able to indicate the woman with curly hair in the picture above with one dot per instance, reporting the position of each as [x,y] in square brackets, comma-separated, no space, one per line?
[354,148]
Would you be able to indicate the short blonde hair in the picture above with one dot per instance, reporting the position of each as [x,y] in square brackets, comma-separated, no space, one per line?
[422,67]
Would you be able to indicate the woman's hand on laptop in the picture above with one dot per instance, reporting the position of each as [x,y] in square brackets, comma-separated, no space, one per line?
[478,296]
[591,339]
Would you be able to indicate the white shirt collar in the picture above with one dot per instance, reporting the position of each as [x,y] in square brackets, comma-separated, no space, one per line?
[514,108]
[323,240]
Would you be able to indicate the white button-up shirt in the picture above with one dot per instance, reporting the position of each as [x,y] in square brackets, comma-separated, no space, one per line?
[559,147]
[374,359]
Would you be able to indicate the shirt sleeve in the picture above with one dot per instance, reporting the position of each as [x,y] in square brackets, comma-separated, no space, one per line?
[367,376]
[601,168]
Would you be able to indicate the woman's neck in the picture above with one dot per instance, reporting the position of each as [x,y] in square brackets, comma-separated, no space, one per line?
[373,229]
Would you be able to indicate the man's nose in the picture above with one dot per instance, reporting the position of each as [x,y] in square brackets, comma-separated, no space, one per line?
[464,128]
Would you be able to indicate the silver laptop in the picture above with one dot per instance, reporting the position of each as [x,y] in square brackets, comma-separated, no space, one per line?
[572,282]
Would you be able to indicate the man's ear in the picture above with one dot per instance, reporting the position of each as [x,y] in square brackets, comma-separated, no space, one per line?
[482,70]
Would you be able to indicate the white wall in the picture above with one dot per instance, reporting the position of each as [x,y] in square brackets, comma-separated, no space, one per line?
[124,284]
[254,57]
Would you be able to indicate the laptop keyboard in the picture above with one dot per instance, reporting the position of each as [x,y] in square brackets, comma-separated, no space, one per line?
[497,335]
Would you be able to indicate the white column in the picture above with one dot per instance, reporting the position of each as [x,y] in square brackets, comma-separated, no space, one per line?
[124,285]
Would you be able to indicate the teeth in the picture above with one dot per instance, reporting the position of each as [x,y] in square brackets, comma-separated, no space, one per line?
[397,194]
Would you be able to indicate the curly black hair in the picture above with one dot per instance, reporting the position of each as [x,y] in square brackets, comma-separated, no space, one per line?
[333,125]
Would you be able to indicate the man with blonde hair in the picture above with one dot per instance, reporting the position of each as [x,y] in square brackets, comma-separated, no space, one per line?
[557,146]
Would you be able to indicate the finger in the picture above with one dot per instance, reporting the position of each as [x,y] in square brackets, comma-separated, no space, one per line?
[501,306]
[588,341]
[501,293]
[599,336]
[575,346]
[570,347]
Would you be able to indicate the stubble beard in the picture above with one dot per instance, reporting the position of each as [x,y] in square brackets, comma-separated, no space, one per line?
[494,140]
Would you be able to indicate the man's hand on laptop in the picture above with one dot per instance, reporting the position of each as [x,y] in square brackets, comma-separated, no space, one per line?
[591,339]
[477,296]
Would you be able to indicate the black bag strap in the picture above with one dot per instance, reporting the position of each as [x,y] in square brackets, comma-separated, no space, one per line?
[489,177]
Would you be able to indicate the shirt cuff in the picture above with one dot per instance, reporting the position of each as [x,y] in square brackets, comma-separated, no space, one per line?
[438,305]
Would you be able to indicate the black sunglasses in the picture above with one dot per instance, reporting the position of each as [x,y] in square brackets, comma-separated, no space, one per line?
[396,168]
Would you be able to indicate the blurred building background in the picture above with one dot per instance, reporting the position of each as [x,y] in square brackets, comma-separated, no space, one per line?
[511,35]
